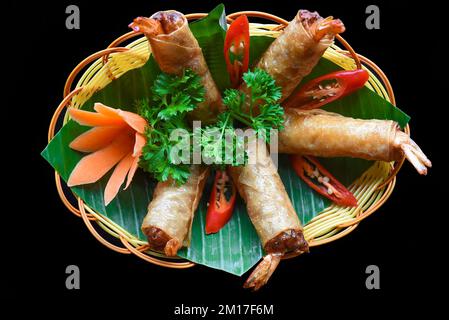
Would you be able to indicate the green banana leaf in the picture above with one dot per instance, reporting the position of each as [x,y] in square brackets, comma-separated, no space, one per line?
[236,248]
[210,33]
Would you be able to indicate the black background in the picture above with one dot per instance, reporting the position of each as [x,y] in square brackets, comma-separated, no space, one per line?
[402,237]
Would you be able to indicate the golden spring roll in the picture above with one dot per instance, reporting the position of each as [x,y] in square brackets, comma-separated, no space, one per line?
[269,207]
[271,212]
[170,214]
[298,49]
[175,49]
[268,204]
[326,134]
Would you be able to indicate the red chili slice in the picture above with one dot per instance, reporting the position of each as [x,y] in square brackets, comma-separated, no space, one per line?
[327,88]
[220,208]
[322,181]
[236,49]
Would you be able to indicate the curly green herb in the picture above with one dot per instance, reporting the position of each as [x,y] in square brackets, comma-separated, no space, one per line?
[173,97]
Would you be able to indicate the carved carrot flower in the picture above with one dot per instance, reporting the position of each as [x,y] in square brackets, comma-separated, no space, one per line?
[116,139]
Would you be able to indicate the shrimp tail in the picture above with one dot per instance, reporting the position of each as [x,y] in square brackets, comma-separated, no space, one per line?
[262,273]
[327,27]
[148,26]
[412,152]
[172,247]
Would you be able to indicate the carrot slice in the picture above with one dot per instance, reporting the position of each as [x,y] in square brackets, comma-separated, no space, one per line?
[138,146]
[132,171]
[95,139]
[95,165]
[93,119]
[133,120]
[107,111]
[117,178]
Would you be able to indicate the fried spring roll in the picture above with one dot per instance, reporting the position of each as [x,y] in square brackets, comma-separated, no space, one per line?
[175,49]
[270,211]
[170,214]
[325,134]
[298,49]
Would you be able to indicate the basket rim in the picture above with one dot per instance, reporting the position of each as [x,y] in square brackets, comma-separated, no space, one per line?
[138,250]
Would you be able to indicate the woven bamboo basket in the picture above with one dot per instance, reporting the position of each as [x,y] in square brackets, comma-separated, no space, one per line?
[372,189]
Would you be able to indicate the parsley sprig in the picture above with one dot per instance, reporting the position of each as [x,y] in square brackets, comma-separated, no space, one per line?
[263,94]
[173,97]
[220,145]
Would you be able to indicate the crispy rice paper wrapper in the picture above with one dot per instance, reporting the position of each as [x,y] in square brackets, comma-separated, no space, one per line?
[267,202]
[326,134]
[168,222]
[175,49]
[298,49]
